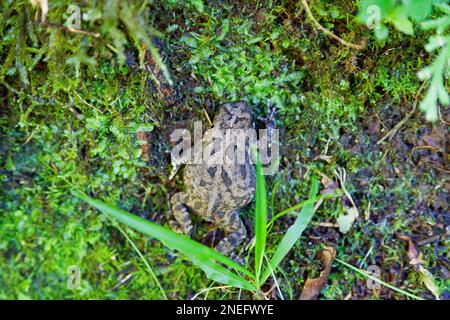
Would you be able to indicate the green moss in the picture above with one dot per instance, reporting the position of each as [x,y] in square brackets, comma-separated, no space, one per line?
[71,108]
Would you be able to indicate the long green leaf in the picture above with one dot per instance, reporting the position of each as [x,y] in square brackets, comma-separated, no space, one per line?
[294,232]
[336,193]
[261,217]
[367,275]
[201,255]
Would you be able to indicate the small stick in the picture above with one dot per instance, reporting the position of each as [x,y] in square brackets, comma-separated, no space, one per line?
[341,174]
[325,224]
[207,116]
[442,118]
[431,148]
[328,32]
[86,103]
[59,26]
[29,137]
[428,240]
[397,127]
[122,281]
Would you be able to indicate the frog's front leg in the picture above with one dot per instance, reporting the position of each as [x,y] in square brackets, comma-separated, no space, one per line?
[182,223]
[235,233]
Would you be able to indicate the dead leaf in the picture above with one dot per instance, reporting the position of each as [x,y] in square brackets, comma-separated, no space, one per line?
[345,221]
[413,254]
[415,259]
[144,137]
[312,287]
[367,212]
[329,185]
[428,281]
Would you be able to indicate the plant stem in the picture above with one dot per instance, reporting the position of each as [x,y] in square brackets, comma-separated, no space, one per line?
[365,274]
[328,32]
[152,273]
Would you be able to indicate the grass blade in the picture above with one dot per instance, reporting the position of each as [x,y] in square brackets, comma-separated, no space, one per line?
[201,255]
[152,273]
[300,205]
[365,274]
[294,232]
[220,274]
[260,216]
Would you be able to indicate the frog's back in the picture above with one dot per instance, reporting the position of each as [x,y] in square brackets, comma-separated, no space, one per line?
[222,188]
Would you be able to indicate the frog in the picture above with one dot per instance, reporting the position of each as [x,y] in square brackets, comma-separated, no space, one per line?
[216,192]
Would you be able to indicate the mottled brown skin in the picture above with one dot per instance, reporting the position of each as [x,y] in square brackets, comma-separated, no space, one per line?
[217,192]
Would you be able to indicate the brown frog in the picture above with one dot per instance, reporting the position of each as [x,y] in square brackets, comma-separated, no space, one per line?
[216,192]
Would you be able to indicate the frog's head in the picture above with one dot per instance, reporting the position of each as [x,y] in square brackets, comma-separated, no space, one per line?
[234,115]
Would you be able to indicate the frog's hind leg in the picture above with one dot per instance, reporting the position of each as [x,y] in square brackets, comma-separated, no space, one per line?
[235,233]
[181,220]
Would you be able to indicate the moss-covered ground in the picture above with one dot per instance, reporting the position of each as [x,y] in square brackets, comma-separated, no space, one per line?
[71,108]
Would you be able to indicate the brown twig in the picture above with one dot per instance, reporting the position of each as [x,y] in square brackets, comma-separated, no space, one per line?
[328,32]
[428,240]
[325,224]
[207,117]
[30,136]
[441,118]
[397,127]
[122,281]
